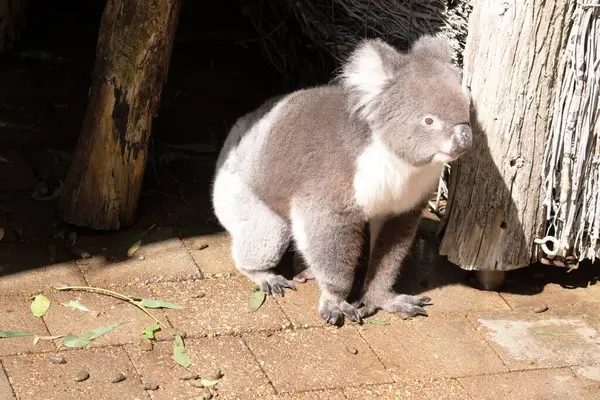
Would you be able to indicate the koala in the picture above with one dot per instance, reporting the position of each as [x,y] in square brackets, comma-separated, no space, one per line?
[319,166]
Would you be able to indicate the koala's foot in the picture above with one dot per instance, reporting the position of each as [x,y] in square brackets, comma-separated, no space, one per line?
[304,276]
[270,282]
[332,311]
[409,306]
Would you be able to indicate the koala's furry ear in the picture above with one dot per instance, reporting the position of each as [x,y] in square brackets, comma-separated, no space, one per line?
[433,47]
[366,73]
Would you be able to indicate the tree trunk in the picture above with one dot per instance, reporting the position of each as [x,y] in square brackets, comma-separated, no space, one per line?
[511,60]
[103,185]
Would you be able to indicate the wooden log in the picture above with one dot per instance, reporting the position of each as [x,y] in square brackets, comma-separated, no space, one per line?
[495,193]
[103,185]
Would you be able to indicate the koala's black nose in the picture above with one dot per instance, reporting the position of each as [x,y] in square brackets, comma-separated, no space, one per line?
[462,138]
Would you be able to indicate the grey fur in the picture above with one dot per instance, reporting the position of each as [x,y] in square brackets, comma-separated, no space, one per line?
[299,167]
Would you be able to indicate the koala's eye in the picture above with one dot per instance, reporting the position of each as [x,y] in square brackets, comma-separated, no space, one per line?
[429,121]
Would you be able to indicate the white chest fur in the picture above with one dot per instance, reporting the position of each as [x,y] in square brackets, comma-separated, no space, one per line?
[384,184]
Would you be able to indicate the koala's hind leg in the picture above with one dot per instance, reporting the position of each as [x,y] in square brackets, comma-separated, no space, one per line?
[392,245]
[331,245]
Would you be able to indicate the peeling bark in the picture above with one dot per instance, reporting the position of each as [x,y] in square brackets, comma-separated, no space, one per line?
[103,185]
[511,61]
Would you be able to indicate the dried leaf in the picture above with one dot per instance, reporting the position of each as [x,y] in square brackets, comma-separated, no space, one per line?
[134,247]
[208,382]
[37,338]
[1,234]
[40,305]
[553,333]
[14,334]
[75,305]
[86,338]
[377,321]
[151,303]
[149,331]
[179,353]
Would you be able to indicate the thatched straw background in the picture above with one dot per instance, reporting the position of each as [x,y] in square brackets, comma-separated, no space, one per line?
[329,29]
[572,155]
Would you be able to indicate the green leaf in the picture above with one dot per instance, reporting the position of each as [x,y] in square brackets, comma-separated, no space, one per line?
[179,353]
[14,334]
[376,321]
[552,333]
[149,331]
[151,303]
[40,305]
[75,305]
[257,298]
[134,247]
[86,338]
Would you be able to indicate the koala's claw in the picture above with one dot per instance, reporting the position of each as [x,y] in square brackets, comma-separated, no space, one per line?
[334,313]
[276,284]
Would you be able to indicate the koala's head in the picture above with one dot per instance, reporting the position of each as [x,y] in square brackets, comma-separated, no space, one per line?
[413,101]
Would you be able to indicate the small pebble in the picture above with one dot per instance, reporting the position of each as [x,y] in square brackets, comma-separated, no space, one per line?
[351,349]
[141,258]
[118,377]
[202,246]
[145,345]
[216,375]
[199,295]
[150,385]
[540,309]
[56,359]
[81,376]
[189,376]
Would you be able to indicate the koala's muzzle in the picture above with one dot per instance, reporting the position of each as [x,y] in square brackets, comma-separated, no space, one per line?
[462,139]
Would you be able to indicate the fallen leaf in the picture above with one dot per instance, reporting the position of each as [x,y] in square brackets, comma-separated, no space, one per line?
[134,247]
[75,305]
[376,321]
[86,338]
[150,303]
[208,382]
[14,334]
[149,331]
[37,338]
[257,298]
[179,353]
[40,305]
[1,234]
[553,333]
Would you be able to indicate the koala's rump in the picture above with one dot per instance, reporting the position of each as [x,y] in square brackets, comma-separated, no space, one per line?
[306,146]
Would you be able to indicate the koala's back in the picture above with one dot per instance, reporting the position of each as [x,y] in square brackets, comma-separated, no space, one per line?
[305,145]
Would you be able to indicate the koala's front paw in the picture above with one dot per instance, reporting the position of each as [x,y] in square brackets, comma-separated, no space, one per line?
[272,283]
[333,311]
[409,306]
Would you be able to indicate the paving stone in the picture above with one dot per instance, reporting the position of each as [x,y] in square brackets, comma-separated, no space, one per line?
[35,377]
[161,257]
[552,295]
[313,395]
[546,384]
[316,359]
[5,389]
[461,298]
[212,252]
[526,340]
[589,375]
[27,269]
[242,377]
[15,316]
[16,174]
[104,310]
[425,348]
[442,389]
[302,306]
[218,306]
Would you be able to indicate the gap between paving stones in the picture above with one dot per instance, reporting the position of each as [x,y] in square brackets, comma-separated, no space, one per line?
[3,371]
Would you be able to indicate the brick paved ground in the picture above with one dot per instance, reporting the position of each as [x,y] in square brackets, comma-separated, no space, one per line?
[474,344]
